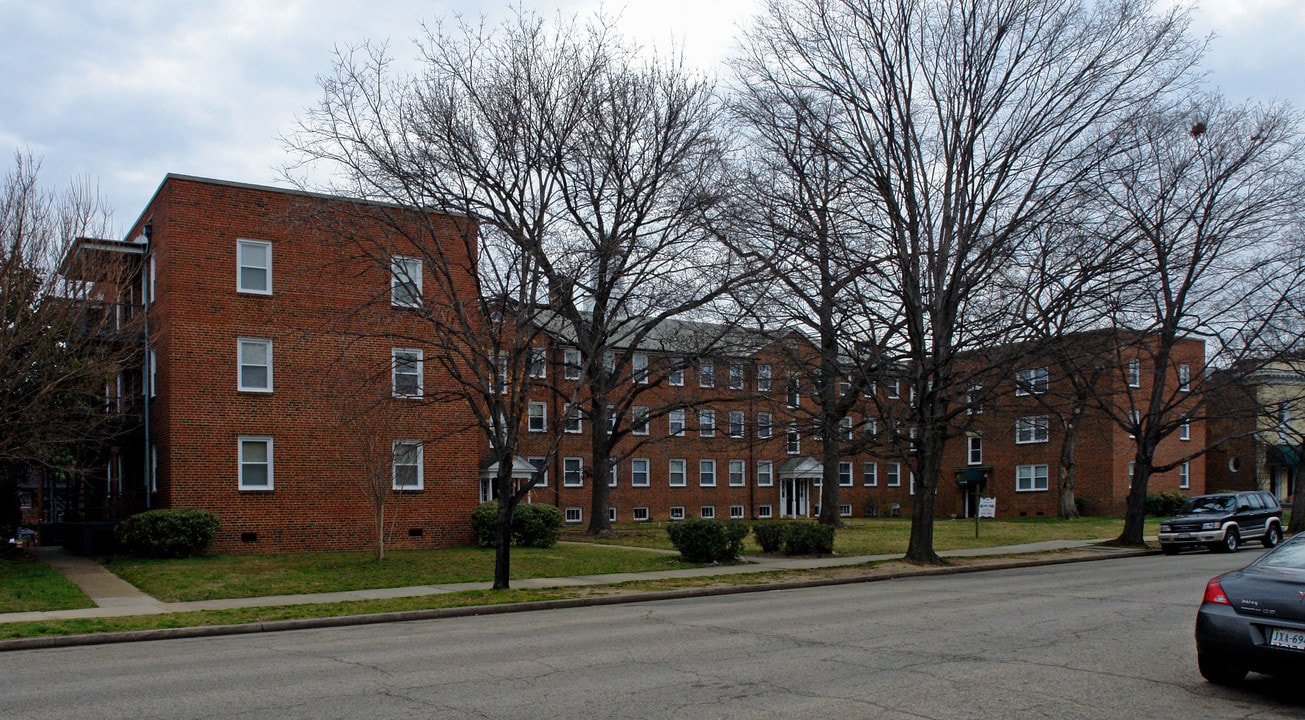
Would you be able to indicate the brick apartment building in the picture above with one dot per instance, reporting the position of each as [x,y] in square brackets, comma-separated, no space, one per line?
[253,334]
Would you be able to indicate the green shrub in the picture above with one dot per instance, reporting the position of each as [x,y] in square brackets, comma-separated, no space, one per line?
[533,524]
[1081,505]
[805,538]
[1164,504]
[167,533]
[484,523]
[705,541]
[536,525]
[770,535]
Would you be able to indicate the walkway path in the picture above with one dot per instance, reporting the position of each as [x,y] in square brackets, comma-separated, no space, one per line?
[115,597]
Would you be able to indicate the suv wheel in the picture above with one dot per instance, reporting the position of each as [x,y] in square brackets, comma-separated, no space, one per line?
[1219,673]
[1273,536]
[1230,542]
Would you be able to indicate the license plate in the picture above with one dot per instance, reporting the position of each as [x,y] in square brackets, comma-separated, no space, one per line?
[1290,639]
[1184,536]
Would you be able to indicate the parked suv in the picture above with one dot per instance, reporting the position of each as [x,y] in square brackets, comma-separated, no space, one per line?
[1222,521]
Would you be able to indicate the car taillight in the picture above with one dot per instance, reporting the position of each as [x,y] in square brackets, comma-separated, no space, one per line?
[1214,593]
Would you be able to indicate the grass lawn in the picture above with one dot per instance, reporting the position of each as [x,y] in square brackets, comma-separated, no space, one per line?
[237,576]
[880,536]
[29,585]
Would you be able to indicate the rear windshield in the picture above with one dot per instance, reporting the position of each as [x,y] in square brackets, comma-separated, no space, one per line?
[1288,555]
[1207,504]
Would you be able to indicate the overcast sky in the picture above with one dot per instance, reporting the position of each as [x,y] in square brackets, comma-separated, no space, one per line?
[125,91]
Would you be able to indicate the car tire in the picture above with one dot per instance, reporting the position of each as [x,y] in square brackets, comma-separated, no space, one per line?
[1219,673]
[1273,536]
[1229,543]
[1169,549]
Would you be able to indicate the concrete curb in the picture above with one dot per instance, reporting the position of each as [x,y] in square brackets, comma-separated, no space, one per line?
[107,638]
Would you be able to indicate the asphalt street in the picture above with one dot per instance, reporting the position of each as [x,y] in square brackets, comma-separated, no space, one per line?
[1109,639]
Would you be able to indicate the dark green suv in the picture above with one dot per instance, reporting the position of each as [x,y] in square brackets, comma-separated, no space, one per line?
[1222,521]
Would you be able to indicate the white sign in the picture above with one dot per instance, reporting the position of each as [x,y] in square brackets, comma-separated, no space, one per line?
[988,507]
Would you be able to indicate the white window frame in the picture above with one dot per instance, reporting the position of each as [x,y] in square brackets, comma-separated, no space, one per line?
[1032,429]
[793,440]
[675,378]
[707,473]
[793,392]
[1184,476]
[419,358]
[536,416]
[893,475]
[419,462]
[845,509]
[765,473]
[403,281]
[153,360]
[738,423]
[540,463]
[737,512]
[974,450]
[241,244]
[1033,381]
[640,473]
[573,472]
[574,515]
[765,425]
[639,420]
[676,512]
[870,474]
[269,463]
[537,366]
[639,368]
[611,513]
[1028,478]
[706,374]
[675,423]
[613,474]
[266,345]
[706,423]
[847,427]
[763,378]
[736,376]
[1135,373]
[707,512]
[574,422]
[1185,431]
[893,389]
[680,466]
[640,514]
[763,512]
[572,362]
[1184,377]
[845,478]
[738,473]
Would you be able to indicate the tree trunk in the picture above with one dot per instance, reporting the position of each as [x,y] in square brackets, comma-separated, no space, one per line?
[829,479]
[503,541]
[1068,508]
[1297,523]
[920,550]
[600,498]
[1135,515]
[380,532]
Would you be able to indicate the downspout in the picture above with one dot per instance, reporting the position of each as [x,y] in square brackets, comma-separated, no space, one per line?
[147,278]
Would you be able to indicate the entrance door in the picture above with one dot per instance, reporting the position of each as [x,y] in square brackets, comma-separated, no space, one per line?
[794,497]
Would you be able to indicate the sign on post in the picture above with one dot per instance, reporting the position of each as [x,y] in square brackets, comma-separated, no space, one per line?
[987,507]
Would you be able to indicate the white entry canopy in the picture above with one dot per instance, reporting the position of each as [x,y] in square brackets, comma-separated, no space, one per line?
[802,468]
[521,468]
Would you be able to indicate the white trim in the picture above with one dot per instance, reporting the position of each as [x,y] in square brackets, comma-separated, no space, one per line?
[641,510]
[676,512]
[419,462]
[574,515]
[683,465]
[269,463]
[635,472]
[578,471]
[707,473]
[241,245]
[707,512]
[532,416]
[1031,478]
[1032,429]
[403,278]
[766,478]
[738,469]
[266,345]
[412,355]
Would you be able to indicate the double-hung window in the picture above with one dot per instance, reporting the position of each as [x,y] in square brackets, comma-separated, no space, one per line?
[639,368]
[254,267]
[407,372]
[794,394]
[255,365]
[639,420]
[537,417]
[974,449]
[675,423]
[1184,476]
[639,472]
[794,440]
[407,465]
[765,473]
[738,473]
[1135,373]
[1185,430]
[846,425]
[736,376]
[405,281]
[763,378]
[571,362]
[256,463]
[675,377]
[573,472]
[1185,378]
[1034,381]
[1032,429]
[845,474]
[707,423]
[870,474]
[893,475]
[538,366]
[706,374]
[736,423]
[764,423]
[1031,478]
[707,473]
[575,422]
[677,472]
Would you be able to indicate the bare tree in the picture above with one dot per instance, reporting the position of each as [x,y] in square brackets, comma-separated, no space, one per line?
[1210,195]
[964,127]
[54,357]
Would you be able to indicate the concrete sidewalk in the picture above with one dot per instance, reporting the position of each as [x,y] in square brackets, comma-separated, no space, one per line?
[115,597]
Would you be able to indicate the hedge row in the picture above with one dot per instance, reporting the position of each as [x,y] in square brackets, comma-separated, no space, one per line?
[533,524]
[705,541]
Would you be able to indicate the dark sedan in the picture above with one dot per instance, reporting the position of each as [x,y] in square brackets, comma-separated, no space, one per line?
[1253,619]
